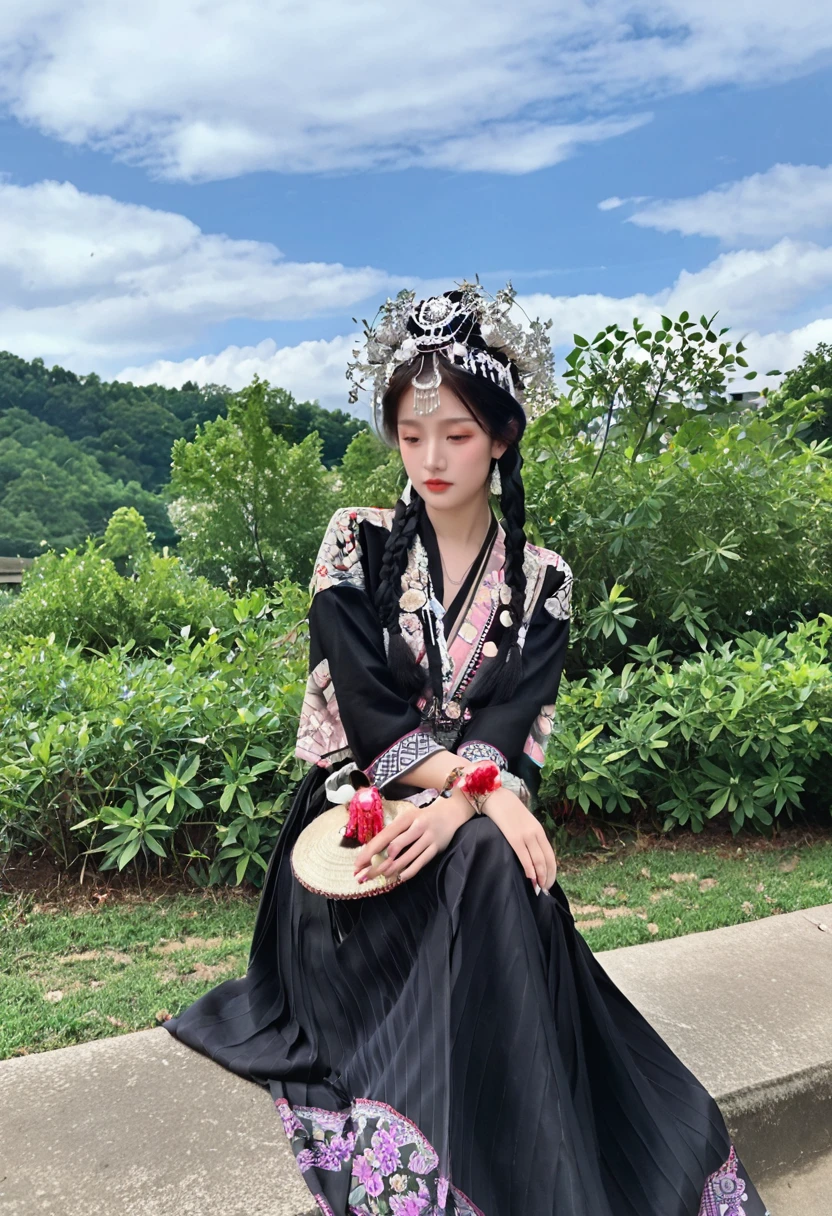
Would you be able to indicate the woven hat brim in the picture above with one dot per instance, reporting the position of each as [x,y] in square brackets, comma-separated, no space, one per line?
[324,865]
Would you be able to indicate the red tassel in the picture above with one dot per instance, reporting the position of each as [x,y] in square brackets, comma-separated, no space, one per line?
[366,814]
[482,779]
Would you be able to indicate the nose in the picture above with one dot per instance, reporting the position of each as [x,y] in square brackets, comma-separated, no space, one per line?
[434,457]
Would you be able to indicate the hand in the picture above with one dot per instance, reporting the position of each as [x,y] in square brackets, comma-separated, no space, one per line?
[525,834]
[412,839]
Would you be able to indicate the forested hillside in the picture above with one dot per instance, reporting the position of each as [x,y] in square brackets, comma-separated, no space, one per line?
[74,448]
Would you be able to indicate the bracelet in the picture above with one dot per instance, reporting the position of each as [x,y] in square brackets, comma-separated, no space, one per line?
[477,783]
[451,780]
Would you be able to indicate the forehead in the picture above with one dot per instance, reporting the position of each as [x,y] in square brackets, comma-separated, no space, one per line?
[451,411]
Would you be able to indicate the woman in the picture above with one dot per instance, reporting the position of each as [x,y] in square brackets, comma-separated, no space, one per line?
[451,1045]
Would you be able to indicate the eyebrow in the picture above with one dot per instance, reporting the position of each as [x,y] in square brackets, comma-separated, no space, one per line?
[449,421]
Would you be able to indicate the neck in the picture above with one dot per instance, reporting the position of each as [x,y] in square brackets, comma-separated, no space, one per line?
[465,525]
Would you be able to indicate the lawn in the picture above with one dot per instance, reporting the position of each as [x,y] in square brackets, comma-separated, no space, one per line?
[86,964]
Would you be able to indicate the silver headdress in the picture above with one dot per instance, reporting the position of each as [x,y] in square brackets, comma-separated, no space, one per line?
[466,326]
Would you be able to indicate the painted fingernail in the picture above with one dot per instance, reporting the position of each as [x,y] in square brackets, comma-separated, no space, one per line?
[536,889]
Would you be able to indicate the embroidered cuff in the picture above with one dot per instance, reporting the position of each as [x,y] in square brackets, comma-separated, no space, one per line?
[404,755]
[475,749]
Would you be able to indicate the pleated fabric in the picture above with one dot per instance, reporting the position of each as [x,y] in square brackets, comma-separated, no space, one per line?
[453,1046]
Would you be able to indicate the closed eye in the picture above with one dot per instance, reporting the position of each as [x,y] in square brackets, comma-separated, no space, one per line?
[415,438]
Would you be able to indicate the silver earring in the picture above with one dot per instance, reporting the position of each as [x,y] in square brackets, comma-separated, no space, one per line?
[405,494]
[496,483]
[426,392]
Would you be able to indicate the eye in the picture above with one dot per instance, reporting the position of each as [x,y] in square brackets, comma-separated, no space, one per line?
[459,436]
[409,439]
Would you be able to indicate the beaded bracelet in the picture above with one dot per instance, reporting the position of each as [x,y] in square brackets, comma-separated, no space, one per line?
[451,780]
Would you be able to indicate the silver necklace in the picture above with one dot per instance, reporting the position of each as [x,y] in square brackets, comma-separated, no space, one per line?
[457,582]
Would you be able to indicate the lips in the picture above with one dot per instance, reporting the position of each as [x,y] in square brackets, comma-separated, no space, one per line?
[435,484]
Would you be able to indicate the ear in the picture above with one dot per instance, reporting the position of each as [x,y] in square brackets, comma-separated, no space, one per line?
[498,446]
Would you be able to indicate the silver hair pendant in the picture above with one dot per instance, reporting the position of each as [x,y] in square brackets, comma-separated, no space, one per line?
[426,397]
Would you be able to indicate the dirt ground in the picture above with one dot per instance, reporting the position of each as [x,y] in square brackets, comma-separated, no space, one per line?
[40,878]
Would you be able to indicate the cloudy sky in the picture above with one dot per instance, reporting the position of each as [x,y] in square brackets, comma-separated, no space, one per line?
[201,189]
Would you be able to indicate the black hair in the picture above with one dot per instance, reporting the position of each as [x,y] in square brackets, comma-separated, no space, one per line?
[503,418]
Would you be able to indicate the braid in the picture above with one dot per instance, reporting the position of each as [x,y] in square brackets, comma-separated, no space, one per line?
[498,677]
[407,673]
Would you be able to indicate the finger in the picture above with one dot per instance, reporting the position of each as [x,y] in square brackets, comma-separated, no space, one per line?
[381,839]
[420,861]
[527,861]
[397,846]
[382,864]
[536,853]
[551,864]
[395,866]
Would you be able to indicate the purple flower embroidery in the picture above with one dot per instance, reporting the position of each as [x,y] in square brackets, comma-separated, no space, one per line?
[387,1151]
[362,1169]
[408,1205]
[374,1184]
[344,1146]
[327,1158]
[388,1163]
[417,1163]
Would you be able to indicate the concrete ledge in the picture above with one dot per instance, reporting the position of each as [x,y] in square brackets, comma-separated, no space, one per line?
[140,1125]
[748,1008]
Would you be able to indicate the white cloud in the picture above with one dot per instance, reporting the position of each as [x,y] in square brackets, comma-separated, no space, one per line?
[750,288]
[523,147]
[311,370]
[614,202]
[87,278]
[787,200]
[784,349]
[212,88]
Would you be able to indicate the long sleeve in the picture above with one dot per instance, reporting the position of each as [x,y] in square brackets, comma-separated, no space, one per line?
[384,731]
[514,734]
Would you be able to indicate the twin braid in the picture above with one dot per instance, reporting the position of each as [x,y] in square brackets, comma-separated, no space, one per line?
[406,671]
[497,677]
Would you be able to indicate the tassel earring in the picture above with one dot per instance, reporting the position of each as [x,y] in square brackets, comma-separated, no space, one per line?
[405,494]
[496,481]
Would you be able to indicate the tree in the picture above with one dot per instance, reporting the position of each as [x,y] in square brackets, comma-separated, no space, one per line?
[813,379]
[247,504]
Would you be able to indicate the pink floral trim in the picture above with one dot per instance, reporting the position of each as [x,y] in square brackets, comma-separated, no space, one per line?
[724,1190]
[392,1165]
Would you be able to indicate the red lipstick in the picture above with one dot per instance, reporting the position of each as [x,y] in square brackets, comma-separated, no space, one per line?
[437,486]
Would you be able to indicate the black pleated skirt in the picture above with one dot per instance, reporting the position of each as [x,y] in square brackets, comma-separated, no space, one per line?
[453,1046]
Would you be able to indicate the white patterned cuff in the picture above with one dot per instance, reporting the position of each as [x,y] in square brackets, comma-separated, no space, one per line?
[406,753]
[475,749]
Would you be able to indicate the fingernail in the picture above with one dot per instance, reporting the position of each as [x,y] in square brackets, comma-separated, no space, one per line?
[536,889]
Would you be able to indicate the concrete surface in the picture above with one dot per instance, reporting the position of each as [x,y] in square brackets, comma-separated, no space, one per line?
[140,1125]
[806,1192]
[748,1008]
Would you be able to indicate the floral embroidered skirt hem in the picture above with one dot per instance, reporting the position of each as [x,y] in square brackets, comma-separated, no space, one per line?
[453,1047]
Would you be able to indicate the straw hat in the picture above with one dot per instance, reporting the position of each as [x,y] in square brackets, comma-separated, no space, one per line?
[323,858]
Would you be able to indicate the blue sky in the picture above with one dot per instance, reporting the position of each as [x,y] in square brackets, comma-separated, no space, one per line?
[205,190]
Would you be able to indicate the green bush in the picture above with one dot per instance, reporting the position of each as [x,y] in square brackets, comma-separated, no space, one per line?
[183,756]
[743,731]
[81,599]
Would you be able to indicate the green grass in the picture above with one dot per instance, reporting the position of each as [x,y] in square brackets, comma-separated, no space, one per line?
[117,967]
[659,893]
